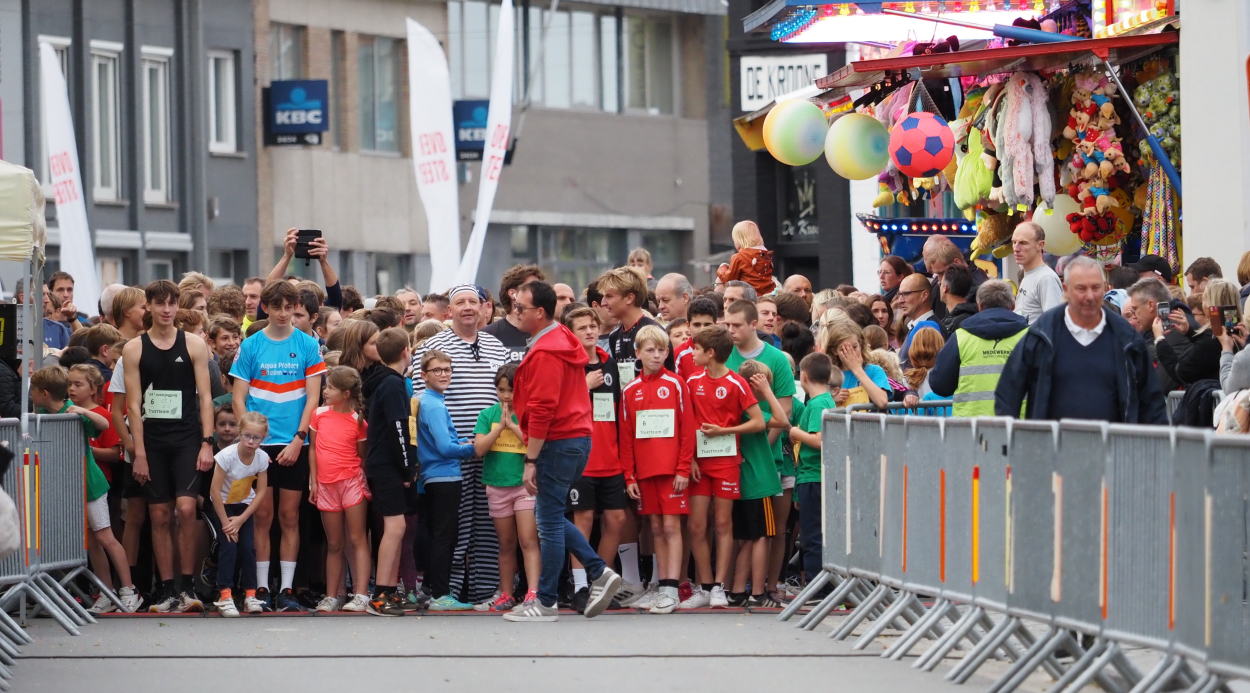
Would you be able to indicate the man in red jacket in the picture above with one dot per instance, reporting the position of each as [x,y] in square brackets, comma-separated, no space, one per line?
[553,406]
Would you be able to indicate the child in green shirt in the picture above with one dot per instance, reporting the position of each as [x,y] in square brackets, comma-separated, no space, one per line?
[815,373]
[758,485]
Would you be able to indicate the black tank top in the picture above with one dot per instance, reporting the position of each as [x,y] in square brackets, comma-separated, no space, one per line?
[171,411]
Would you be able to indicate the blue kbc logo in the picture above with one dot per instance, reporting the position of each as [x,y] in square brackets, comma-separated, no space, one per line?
[299,109]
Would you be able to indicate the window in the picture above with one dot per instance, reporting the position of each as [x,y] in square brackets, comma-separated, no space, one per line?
[379,73]
[61,46]
[222,117]
[106,169]
[557,64]
[155,135]
[337,55]
[160,269]
[650,55]
[575,256]
[607,63]
[286,51]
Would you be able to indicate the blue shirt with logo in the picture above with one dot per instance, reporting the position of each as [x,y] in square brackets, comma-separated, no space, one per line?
[276,372]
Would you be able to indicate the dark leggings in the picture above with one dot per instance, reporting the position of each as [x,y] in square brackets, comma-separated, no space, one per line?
[228,552]
[442,502]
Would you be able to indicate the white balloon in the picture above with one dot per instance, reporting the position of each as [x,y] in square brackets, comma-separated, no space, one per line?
[1059,237]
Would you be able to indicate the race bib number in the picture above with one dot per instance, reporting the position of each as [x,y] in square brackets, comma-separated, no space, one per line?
[655,423]
[856,395]
[625,371]
[507,441]
[715,446]
[605,406]
[162,404]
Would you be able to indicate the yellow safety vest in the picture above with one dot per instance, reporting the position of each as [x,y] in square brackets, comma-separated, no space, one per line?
[980,365]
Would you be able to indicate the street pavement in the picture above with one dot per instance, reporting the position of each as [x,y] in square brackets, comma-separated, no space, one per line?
[619,651]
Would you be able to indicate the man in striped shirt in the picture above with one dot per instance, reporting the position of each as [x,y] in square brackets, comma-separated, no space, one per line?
[475,358]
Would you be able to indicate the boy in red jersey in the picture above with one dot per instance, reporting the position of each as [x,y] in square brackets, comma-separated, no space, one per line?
[657,449]
[721,399]
[701,313]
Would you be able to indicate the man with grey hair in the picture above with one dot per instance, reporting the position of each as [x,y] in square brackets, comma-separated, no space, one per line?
[968,366]
[1081,361]
[940,253]
[1145,297]
[673,293]
[106,302]
[1040,289]
[737,290]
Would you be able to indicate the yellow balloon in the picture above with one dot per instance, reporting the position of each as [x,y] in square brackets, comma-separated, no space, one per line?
[1059,237]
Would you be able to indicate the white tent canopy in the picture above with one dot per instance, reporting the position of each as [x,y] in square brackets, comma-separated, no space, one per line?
[23,231]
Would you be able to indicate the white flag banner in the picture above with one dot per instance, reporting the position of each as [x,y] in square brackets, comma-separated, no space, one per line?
[433,152]
[77,255]
[498,127]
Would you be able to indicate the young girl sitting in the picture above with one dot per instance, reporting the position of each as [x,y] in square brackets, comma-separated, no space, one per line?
[498,441]
[237,467]
[339,490]
[752,263]
[84,382]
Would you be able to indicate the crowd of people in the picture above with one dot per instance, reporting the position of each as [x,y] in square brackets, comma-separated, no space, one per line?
[634,443]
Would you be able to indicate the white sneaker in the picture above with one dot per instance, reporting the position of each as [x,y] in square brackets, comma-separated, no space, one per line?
[103,605]
[719,600]
[188,603]
[131,601]
[329,603]
[629,592]
[698,599]
[226,608]
[645,600]
[358,602]
[663,603]
[535,612]
[252,605]
[164,603]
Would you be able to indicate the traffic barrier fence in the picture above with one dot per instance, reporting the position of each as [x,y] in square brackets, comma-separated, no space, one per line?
[1109,536]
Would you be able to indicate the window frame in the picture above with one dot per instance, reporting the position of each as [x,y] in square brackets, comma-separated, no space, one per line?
[649,21]
[156,185]
[103,53]
[276,66]
[229,143]
[371,92]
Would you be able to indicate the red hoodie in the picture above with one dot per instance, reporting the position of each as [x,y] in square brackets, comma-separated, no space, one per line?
[549,390]
[647,457]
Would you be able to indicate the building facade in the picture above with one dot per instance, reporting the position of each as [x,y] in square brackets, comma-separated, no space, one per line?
[614,151]
[164,129]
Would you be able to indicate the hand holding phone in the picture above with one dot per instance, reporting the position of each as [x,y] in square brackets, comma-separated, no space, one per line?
[303,242]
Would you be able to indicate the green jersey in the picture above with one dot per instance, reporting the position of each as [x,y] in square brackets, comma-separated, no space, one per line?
[502,466]
[783,379]
[97,485]
[809,457]
[758,477]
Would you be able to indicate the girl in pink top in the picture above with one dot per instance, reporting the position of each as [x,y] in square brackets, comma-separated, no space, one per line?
[337,440]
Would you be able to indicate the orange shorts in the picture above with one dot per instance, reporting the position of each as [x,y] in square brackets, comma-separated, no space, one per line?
[717,482]
[659,498]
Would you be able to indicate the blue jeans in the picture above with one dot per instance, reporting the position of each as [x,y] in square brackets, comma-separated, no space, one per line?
[230,554]
[560,463]
[811,539]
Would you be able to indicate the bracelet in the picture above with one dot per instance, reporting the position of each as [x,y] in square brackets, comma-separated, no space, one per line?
[531,460]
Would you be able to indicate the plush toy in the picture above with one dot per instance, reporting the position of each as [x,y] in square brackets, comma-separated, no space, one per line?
[993,230]
[1100,189]
[1025,156]
[973,180]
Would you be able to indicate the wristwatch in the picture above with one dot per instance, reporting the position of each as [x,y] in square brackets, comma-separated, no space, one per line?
[208,440]
[531,460]
[302,435]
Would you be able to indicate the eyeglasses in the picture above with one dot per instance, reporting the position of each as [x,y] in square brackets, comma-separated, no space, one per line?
[439,371]
[252,438]
[909,293]
[518,308]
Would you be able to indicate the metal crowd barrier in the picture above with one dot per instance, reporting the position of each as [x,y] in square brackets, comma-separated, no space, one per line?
[47,482]
[1109,536]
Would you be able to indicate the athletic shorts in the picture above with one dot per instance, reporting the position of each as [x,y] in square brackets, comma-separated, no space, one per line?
[287,478]
[505,501]
[172,471]
[389,495]
[718,483]
[753,519]
[787,483]
[659,498]
[98,514]
[598,493]
[337,496]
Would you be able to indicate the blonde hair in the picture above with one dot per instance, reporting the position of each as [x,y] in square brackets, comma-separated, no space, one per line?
[426,329]
[651,334]
[253,418]
[93,375]
[640,255]
[837,332]
[193,281]
[746,234]
[925,345]
[888,362]
[332,358]
[625,280]
[1221,292]
[751,367]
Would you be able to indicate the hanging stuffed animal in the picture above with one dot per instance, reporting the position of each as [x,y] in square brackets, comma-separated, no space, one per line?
[1025,156]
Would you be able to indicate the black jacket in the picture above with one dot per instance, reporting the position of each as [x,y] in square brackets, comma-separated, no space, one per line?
[1028,372]
[991,323]
[1180,345]
[389,452]
[955,318]
[10,392]
[1201,361]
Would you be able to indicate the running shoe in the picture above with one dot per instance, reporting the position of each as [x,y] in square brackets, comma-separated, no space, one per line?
[530,598]
[188,603]
[718,599]
[131,600]
[265,598]
[503,602]
[103,605]
[485,605]
[629,591]
[664,603]
[357,603]
[534,612]
[384,605]
[580,597]
[252,605]
[602,590]
[449,603]
[762,601]
[329,603]
[698,599]
[287,602]
[309,599]
[227,609]
[416,600]
[684,590]
[737,601]
[646,600]
[163,603]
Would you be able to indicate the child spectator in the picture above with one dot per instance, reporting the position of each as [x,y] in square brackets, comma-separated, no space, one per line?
[862,382]
[752,263]
[754,519]
[640,259]
[440,452]
[338,435]
[328,319]
[678,331]
[497,440]
[816,373]
[237,467]
[702,313]
[720,398]
[104,343]
[390,463]
[49,389]
[224,336]
[657,451]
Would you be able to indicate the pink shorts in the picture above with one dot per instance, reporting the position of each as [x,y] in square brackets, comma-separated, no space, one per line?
[337,496]
[505,501]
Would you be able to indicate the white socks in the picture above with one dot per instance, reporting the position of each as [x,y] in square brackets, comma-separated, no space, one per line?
[262,575]
[288,574]
[579,579]
[628,554]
